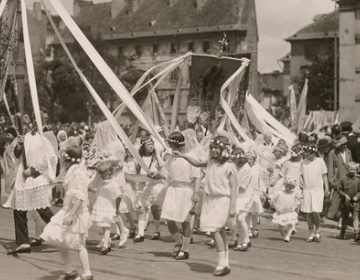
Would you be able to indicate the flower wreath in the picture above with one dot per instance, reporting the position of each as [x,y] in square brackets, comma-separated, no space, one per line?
[226,148]
[310,148]
[176,142]
[71,159]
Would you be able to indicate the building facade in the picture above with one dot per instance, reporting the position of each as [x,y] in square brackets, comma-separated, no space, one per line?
[149,32]
[349,51]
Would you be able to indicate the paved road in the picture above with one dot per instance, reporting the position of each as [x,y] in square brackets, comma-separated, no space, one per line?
[269,258]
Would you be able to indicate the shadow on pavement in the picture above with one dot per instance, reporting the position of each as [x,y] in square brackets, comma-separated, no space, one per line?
[53,275]
[200,267]
[159,254]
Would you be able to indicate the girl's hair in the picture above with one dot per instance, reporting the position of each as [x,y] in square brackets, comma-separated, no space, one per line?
[73,154]
[146,140]
[223,143]
[296,150]
[176,139]
[104,167]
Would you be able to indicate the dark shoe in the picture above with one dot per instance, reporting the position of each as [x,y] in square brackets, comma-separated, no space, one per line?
[182,256]
[105,251]
[138,239]
[115,237]
[311,238]
[255,233]
[317,237]
[342,235]
[70,275]
[19,250]
[155,236]
[132,233]
[232,243]
[36,242]
[222,271]
[356,236]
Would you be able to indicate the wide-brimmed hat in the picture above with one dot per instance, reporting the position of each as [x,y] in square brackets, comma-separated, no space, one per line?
[339,141]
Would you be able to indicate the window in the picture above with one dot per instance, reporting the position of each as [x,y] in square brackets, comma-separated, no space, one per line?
[155,49]
[206,46]
[138,50]
[190,46]
[173,48]
[120,50]
[174,75]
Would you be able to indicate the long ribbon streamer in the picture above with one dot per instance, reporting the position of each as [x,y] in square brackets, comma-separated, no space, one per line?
[104,69]
[225,105]
[97,98]
[2,6]
[32,81]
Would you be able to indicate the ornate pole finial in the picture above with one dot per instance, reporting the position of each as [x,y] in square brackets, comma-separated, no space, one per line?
[224,44]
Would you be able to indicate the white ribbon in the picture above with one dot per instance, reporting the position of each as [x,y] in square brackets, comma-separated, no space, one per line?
[2,6]
[104,69]
[225,105]
[32,82]
[120,132]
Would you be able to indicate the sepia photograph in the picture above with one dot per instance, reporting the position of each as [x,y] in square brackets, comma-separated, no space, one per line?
[179,139]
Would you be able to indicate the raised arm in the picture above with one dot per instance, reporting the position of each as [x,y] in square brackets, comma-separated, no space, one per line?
[193,161]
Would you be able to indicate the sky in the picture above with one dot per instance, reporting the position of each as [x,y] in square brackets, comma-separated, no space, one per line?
[277,20]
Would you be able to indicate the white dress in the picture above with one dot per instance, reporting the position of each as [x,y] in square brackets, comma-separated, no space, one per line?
[149,193]
[216,204]
[128,195]
[285,204]
[254,189]
[178,198]
[104,208]
[313,187]
[243,196]
[73,236]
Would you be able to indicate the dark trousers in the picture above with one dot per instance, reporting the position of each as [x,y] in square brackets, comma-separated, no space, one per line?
[21,227]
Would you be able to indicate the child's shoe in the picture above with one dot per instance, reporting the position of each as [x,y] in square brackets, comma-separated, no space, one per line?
[70,275]
[311,238]
[317,237]
[138,238]
[182,256]
[155,236]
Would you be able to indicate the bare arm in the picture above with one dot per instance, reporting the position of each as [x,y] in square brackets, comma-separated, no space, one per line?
[233,195]
[192,161]
[326,184]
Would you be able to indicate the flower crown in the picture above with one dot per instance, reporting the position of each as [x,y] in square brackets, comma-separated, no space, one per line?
[176,142]
[219,143]
[310,148]
[238,156]
[147,141]
[71,159]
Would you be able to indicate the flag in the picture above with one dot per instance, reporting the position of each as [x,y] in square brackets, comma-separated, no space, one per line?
[292,105]
[301,109]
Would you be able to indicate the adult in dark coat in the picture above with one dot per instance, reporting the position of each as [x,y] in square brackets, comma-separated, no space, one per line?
[353,144]
[338,160]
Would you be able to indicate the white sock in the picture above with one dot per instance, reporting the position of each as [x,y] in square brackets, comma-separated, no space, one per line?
[227,258]
[142,225]
[221,259]
[84,259]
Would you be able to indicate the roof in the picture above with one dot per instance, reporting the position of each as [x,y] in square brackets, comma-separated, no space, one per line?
[156,18]
[326,26]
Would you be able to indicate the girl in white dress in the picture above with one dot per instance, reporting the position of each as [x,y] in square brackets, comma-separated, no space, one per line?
[149,193]
[68,229]
[107,202]
[220,197]
[286,203]
[243,200]
[255,190]
[182,193]
[314,175]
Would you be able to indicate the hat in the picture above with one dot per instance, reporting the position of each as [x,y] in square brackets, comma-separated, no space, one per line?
[11,131]
[339,141]
[346,126]
[324,142]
